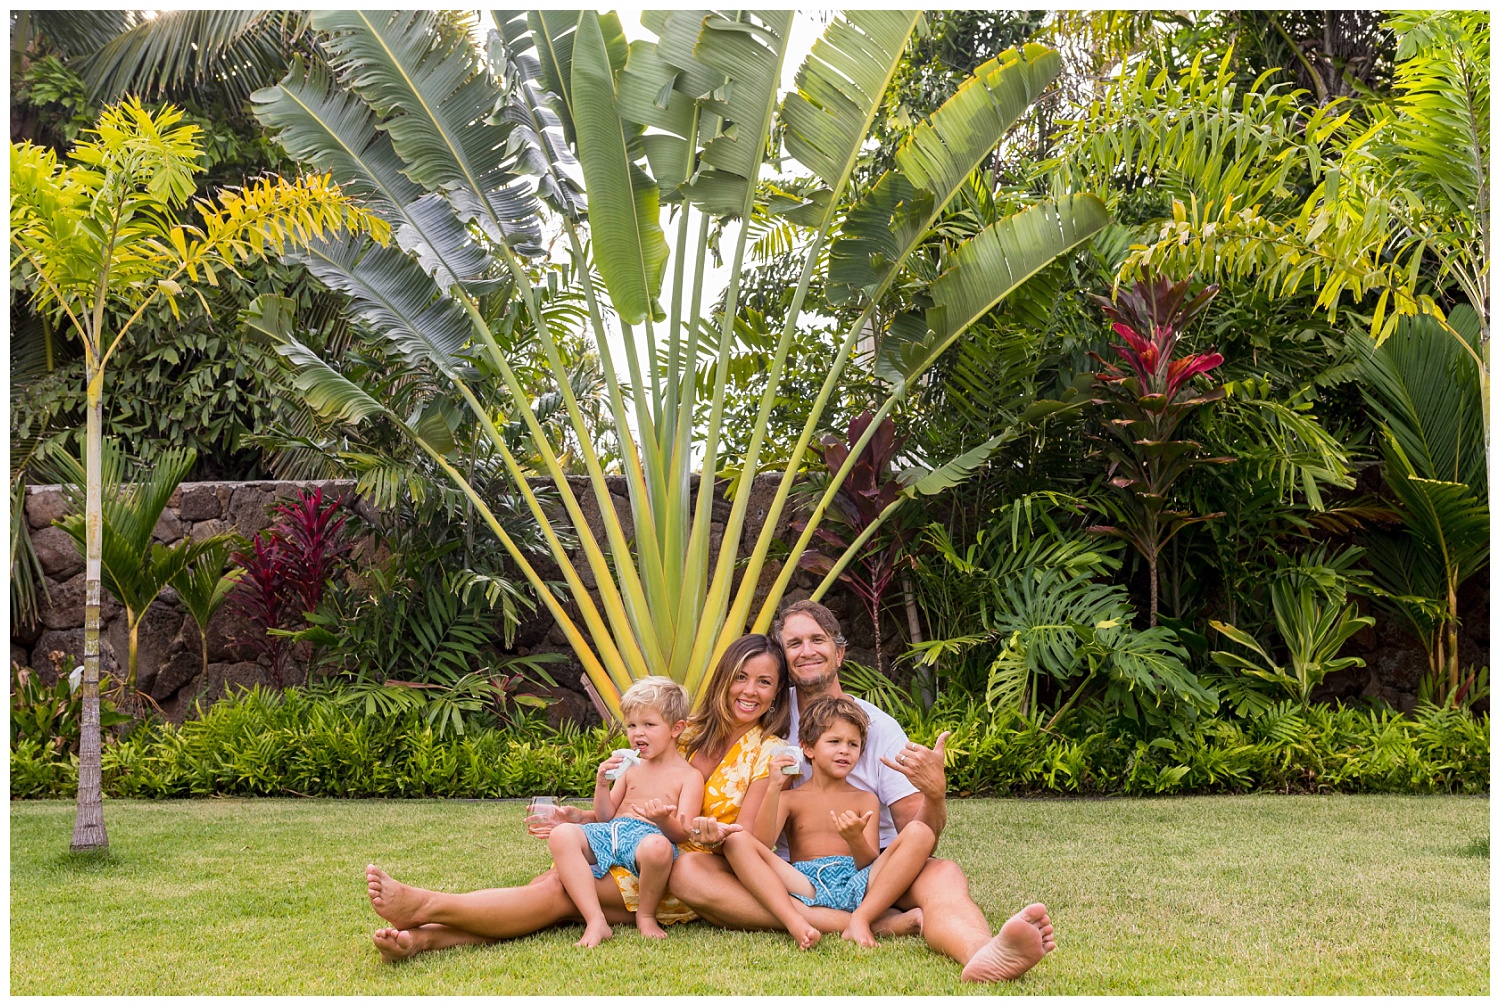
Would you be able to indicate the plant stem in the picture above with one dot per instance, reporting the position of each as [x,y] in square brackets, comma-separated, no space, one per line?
[1068,704]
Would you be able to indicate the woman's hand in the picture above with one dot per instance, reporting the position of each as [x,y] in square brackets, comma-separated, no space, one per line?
[708,831]
[923,766]
[540,826]
[654,811]
[851,825]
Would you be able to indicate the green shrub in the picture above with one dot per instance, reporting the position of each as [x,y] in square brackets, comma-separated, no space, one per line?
[52,715]
[1287,748]
[265,743]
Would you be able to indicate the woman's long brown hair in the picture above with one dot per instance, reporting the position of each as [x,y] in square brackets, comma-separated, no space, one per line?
[709,726]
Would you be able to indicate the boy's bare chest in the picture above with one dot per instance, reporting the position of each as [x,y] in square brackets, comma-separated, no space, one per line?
[810,829]
[650,782]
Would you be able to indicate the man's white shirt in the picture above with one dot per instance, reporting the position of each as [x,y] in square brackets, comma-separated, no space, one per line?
[885,739]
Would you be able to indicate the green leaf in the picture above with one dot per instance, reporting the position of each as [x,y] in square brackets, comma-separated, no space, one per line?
[393,295]
[424,78]
[749,53]
[930,483]
[328,126]
[186,51]
[987,267]
[629,248]
[1426,389]
[646,95]
[898,211]
[329,393]
[839,86]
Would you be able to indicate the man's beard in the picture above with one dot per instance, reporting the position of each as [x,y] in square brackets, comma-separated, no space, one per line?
[817,685]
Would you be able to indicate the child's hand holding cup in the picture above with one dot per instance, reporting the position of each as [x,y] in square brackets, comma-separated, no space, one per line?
[787,757]
[628,757]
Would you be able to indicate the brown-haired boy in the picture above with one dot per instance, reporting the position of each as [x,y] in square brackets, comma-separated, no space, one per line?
[832,832]
[639,816]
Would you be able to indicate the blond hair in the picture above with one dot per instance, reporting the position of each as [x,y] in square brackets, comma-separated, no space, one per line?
[659,693]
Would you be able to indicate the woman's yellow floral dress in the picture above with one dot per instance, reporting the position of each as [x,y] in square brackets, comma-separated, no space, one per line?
[747,760]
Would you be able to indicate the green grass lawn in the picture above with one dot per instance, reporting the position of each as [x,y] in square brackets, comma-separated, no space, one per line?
[1248,895]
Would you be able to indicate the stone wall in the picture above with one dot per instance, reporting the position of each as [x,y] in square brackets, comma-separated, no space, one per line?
[170,664]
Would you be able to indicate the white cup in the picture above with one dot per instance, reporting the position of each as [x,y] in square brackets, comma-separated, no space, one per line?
[790,751]
[631,758]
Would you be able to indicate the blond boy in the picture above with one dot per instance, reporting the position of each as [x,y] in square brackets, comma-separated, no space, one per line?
[639,815]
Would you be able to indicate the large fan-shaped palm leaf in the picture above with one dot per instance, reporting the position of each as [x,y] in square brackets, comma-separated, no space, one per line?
[483,137]
[187,52]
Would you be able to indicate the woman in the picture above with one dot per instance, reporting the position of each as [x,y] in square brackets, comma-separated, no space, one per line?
[728,739]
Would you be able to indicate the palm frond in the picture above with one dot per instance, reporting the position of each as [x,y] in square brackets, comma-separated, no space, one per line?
[73,33]
[436,98]
[194,51]
[1425,389]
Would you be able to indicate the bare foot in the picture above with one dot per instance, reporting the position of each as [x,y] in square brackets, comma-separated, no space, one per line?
[907,923]
[400,905]
[594,934]
[806,935]
[394,944]
[649,927]
[858,930]
[1024,939]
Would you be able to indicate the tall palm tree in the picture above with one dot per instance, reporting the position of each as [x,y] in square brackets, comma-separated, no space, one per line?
[101,237]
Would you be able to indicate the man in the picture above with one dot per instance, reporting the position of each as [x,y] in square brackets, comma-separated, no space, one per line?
[909,781]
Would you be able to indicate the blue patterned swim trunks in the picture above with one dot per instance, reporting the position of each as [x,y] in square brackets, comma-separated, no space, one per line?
[613,843]
[836,883]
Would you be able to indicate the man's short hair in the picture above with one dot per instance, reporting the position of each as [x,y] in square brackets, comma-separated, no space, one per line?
[659,693]
[822,712]
[826,620]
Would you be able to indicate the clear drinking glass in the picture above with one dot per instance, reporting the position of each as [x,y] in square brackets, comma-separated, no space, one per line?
[540,811]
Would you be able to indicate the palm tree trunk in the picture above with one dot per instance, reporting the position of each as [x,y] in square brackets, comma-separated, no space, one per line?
[914,627]
[135,649]
[203,647]
[88,825]
[908,596]
[1452,630]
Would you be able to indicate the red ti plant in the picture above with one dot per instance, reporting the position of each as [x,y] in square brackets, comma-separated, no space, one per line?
[312,533]
[261,596]
[870,487]
[1143,404]
[286,569]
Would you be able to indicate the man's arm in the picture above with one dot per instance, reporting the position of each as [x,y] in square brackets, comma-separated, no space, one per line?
[924,768]
[917,807]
